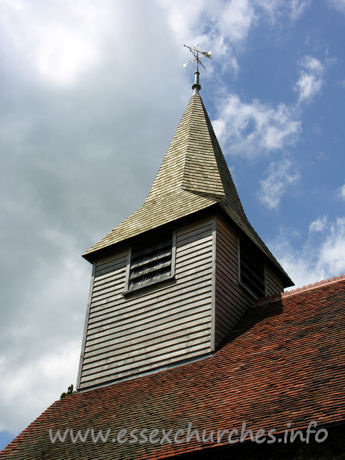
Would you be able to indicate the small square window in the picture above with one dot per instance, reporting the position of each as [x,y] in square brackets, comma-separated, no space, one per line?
[251,269]
[151,261]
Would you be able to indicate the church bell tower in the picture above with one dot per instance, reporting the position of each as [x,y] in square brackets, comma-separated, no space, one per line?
[173,279]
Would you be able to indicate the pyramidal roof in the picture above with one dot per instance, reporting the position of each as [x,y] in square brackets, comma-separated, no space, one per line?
[194,161]
[193,176]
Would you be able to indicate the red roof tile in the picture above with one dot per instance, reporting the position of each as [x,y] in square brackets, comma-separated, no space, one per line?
[284,363]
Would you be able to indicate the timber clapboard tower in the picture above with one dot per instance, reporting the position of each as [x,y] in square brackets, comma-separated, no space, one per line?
[173,279]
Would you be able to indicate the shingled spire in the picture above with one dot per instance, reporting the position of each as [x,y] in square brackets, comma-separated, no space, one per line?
[194,161]
[193,176]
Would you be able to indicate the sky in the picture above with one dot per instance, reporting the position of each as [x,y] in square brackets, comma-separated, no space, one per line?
[91,95]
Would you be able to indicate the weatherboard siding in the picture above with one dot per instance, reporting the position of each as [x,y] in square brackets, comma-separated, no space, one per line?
[273,283]
[232,299]
[154,327]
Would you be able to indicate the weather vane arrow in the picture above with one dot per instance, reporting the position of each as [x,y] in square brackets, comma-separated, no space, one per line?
[196,53]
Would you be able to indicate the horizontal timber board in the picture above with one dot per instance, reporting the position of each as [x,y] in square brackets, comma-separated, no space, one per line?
[111,280]
[192,243]
[115,261]
[147,323]
[202,291]
[194,229]
[164,341]
[111,267]
[148,311]
[101,278]
[102,380]
[193,280]
[111,257]
[149,335]
[158,359]
[145,354]
[148,316]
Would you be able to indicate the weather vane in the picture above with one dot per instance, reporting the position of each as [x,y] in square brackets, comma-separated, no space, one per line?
[196,53]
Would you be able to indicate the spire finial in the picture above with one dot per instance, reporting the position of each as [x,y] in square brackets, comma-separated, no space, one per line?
[196,53]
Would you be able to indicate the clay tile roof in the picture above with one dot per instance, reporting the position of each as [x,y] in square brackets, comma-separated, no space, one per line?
[285,362]
[193,176]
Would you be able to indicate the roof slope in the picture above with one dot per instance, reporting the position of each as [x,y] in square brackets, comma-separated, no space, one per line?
[284,363]
[188,180]
[193,176]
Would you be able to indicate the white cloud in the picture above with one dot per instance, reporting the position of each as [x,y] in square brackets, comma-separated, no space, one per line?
[236,20]
[310,80]
[321,256]
[339,5]
[342,192]
[298,7]
[332,251]
[209,21]
[60,42]
[63,56]
[218,26]
[32,387]
[281,177]
[256,128]
[318,225]
[183,17]
[42,339]
[282,8]
[224,26]
[276,10]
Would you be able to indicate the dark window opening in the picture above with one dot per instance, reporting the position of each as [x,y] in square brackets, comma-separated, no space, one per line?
[252,269]
[151,261]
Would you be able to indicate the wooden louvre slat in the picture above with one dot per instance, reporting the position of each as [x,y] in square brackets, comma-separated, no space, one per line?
[143,250]
[150,262]
[164,254]
[252,269]
[253,274]
[147,271]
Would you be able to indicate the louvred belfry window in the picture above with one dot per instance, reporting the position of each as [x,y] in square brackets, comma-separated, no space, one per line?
[251,269]
[151,261]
